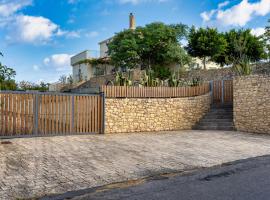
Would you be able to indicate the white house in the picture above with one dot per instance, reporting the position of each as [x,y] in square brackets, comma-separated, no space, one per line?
[84,71]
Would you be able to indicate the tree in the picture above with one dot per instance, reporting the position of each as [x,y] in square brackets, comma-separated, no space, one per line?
[63,79]
[267,39]
[123,50]
[70,80]
[243,45]
[6,77]
[154,44]
[26,85]
[206,44]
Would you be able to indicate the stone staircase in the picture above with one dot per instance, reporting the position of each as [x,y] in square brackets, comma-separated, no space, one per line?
[219,118]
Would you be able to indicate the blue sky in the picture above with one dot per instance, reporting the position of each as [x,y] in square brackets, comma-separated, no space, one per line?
[38,37]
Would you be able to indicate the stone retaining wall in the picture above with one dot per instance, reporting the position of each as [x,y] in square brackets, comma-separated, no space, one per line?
[252,103]
[223,73]
[159,114]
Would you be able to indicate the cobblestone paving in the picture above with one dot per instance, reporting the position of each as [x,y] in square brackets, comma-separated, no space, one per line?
[32,167]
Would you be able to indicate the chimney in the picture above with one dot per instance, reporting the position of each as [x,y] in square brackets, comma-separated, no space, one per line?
[132,23]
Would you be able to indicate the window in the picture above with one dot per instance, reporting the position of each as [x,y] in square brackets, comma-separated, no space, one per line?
[99,70]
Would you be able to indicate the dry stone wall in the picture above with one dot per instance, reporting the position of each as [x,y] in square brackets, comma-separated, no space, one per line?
[159,114]
[252,103]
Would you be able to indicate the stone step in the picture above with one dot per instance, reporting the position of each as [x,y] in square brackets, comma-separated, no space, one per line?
[217,120]
[219,117]
[215,124]
[225,128]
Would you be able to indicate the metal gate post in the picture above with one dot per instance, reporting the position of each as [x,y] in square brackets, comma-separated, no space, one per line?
[36,109]
[211,92]
[72,114]
[222,92]
[102,131]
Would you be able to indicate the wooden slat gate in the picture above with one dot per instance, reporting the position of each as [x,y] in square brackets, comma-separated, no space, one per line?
[222,91]
[43,114]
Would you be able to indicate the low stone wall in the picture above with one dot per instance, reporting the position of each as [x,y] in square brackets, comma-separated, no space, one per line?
[252,103]
[223,73]
[159,114]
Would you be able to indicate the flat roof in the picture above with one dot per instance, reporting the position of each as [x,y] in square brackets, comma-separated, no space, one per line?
[106,40]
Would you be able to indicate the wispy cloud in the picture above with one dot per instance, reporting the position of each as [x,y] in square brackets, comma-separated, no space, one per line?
[8,8]
[58,62]
[92,34]
[134,2]
[237,15]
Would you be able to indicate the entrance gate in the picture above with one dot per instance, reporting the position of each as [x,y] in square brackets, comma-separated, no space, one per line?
[222,92]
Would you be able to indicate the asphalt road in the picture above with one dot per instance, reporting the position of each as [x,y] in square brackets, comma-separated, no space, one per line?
[242,180]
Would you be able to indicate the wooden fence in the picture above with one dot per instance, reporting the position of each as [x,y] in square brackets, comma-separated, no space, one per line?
[154,92]
[50,114]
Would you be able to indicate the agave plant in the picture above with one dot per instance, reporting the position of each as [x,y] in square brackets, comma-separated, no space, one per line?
[148,79]
[195,81]
[121,80]
[173,82]
[242,67]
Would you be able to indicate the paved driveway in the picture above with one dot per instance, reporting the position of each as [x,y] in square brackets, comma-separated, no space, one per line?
[38,166]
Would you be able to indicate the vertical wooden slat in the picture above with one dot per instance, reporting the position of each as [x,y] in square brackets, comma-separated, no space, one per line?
[57,114]
[71,117]
[99,113]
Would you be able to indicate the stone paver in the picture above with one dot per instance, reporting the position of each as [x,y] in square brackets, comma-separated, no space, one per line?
[31,167]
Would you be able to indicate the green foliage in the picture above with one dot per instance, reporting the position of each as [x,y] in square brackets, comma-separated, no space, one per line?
[95,61]
[242,45]
[206,44]
[6,77]
[8,85]
[267,39]
[173,81]
[122,80]
[154,44]
[149,80]
[161,72]
[123,50]
[242,67]
[70,80]
[26,85]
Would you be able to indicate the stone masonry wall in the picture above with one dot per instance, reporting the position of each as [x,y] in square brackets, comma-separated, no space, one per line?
[223,73]
[252,103]
[159,114]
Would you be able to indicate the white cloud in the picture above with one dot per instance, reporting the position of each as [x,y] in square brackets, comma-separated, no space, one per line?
[69,34]
[34,29]
[258,31]
[60,62]
[26,28]
[223,4]
[207,15]
[134,2]
[239,14]
[92,34]
[46,61]
[36,67]
[8,8]
[73,34]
